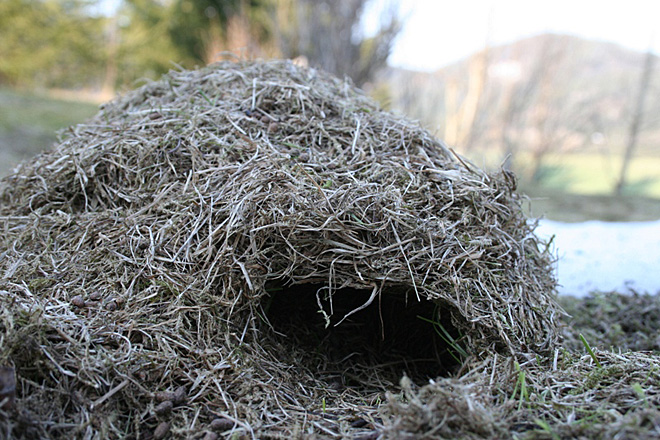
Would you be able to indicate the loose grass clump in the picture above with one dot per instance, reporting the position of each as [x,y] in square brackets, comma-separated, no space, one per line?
[611,320]
[255,250]
[566,395]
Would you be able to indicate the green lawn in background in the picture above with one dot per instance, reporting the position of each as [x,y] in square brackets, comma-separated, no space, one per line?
[29,122]
[594,173]
[578,187]
[559,205]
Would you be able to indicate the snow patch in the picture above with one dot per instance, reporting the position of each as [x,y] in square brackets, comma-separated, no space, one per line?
[605,256]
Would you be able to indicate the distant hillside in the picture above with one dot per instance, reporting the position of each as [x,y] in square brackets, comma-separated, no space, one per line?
[540,94]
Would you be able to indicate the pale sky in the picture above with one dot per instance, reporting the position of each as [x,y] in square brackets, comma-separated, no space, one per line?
[439,32]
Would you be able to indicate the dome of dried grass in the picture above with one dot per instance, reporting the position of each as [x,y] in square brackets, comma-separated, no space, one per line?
[207,233]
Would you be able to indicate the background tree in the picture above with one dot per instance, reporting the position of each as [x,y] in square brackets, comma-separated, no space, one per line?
[460,124]
[70,44]
[139,43]
[52,43]
[202,29]
[328,34]
[528,113]
[636,121]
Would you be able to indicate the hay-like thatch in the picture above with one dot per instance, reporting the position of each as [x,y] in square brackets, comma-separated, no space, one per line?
[254,248]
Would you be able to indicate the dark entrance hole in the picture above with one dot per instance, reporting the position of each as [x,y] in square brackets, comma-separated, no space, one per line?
[395,334]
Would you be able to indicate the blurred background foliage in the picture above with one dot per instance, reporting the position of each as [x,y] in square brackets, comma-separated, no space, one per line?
[50,43]
[81,44]
[575,119]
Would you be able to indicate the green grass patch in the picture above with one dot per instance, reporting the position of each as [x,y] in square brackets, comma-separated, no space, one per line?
[596,174]
[584,173]
[39,111]
[558,205]
[29,123]
[579,186]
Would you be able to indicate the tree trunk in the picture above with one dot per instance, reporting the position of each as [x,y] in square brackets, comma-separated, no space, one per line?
[635,123]
[110,77]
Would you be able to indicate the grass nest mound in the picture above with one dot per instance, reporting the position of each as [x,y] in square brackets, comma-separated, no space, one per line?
[253,249]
